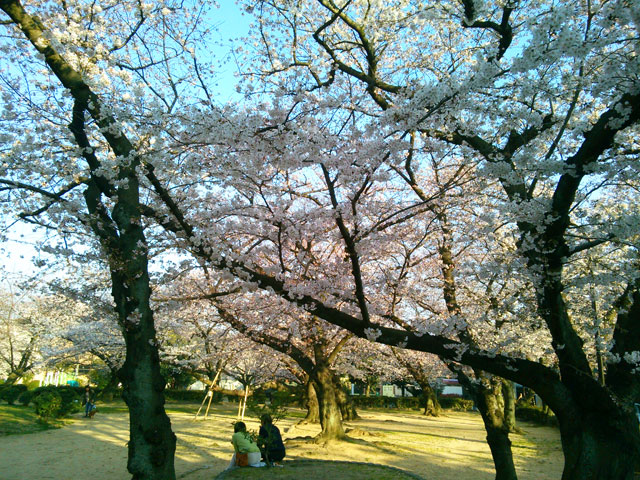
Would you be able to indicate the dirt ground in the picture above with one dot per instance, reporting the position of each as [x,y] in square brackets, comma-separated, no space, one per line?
[448,447]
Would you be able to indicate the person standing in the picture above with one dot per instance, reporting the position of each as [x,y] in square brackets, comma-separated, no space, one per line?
[89,401]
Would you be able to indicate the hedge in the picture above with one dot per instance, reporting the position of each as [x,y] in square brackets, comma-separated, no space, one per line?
[456,404]
[54,402]
[10,393]
[535,414]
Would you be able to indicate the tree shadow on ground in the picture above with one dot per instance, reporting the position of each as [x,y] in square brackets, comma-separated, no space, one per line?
[320,469]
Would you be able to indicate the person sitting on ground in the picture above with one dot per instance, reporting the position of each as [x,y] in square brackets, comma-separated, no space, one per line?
[270,441]
[243,443]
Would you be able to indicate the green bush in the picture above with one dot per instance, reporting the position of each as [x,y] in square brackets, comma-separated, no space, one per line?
[48,404]
[70,399]
[279,394]
[456,404]
[26,397]
[409,402]
[10,393]
[534,414]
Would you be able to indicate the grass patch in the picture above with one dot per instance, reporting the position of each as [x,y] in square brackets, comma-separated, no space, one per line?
[118,406]
[18,420]
[111,407]
[318,470]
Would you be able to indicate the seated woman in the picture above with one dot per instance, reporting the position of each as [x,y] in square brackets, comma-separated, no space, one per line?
[270,441]
[242,443]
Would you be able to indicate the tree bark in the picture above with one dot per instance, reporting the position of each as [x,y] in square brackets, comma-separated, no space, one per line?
[509,396]
[151,441]
[431,404]
[347,407]
[596,448]
[489,398]
[329,407]
[311,404]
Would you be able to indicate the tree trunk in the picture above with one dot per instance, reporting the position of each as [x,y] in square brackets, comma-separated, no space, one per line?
[488,395]
[108,392]
[509,396]
[151,442]
[491,407]
[347,407]
[597,447]
[311,404]
[329,407]
[431,405]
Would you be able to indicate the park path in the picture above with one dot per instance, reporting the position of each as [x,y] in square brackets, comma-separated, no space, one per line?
[97,449]
[451,446]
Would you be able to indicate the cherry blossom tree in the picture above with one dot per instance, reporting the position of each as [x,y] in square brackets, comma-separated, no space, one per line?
[22,329]
[542,98]
[85,327]
[313,345]
[426,370]
[192,337]
[92,150]
[312,194]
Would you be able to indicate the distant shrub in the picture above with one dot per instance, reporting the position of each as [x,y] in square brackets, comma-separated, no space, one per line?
[70,400]
[409,402]
[10,393]
[25,397]
[278,394]
[378,401]
[456,404]
[534,414]
[48,404]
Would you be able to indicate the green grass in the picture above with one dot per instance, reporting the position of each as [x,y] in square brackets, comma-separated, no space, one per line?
[317,470]
[111,407]
[17,420]
[118,406]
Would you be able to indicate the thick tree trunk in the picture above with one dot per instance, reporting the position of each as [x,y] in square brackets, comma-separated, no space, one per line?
[488,396]
[509,396]
[311,404]
[491,407]
[347,407]
[431,404]
[151,441]
[598,448]
[329,407]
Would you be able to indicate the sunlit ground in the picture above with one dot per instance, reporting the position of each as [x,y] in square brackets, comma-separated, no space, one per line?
[448,447]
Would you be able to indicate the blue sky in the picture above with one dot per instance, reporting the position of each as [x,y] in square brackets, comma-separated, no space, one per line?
[232,23]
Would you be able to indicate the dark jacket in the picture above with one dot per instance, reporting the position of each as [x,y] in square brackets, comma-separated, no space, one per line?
[270,440]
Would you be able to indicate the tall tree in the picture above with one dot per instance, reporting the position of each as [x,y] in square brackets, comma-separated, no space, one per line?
[305,198]
[23,326]
[314,349]
[527,100]
[113,206]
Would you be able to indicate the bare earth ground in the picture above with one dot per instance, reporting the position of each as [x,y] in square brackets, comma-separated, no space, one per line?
[448,447]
